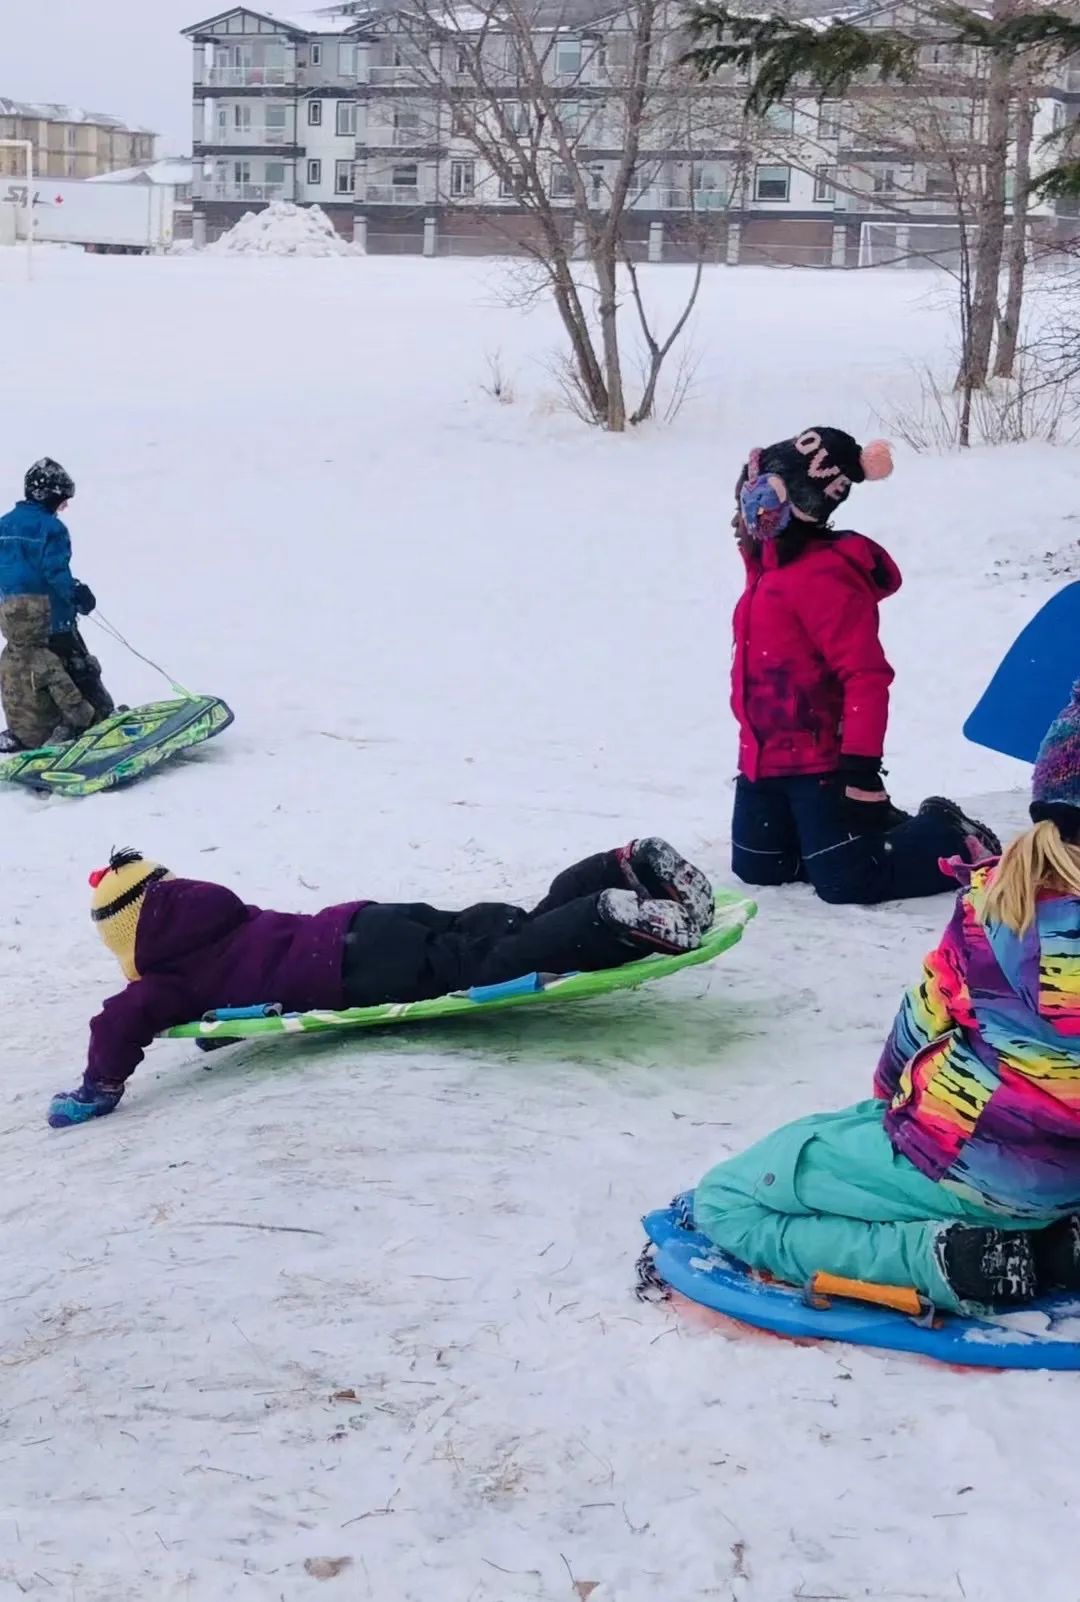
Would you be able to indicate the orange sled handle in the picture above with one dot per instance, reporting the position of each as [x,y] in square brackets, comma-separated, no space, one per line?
[901,1298]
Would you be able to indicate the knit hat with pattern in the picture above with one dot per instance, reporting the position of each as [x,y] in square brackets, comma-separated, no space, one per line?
[1055,784]
[819,466]
[117,896]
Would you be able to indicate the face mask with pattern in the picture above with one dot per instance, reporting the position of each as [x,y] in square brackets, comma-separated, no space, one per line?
[763,501]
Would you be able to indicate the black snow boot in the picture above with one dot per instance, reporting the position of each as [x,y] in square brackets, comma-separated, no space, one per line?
[1057,1256]
[991,1267]
[655,925]
[980,840]
[657,869]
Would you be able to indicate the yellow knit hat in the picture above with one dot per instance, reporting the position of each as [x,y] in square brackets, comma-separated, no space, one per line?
[118,893]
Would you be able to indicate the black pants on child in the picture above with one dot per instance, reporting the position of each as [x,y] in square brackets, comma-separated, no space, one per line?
[794,829]
[411,952]
[84,670]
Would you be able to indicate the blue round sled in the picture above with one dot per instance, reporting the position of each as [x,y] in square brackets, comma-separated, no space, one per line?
[1044,1335]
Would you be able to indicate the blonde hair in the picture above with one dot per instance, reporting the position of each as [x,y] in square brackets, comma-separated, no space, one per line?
[1037,860]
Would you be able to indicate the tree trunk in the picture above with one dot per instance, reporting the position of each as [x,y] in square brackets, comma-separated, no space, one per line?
[1009,330]
[990,220]
[605,265]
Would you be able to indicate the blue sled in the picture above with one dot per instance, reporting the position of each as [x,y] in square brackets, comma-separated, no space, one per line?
[691,1265]
[1033,683]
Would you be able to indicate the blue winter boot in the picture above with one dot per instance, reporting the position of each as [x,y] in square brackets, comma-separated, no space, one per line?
[79,1106]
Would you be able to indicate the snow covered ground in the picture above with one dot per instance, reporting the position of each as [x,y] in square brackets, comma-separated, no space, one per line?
[370,1299]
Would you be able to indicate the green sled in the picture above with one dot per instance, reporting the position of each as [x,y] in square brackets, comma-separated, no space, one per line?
[733,913]
[120,749]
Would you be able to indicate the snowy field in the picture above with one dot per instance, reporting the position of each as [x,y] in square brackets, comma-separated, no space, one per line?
[370,1299]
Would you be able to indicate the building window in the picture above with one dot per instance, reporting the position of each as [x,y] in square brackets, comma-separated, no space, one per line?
[562,187]
[242,118]
[462,180]
[461,62]
[459,121]
[316,55]
[885,181]
[314,113]
[781,119]
[568,58]
[275,174]
[71,166]
[275,119]
[405,175]
[71,138]
[823,184]
[510,185]
[772,183]
[406,127]
[517,116]
[939,182]
[1059,116]
[828,120]
[346,61]
[344,178]
[571,115]
[314,172]
[346,119]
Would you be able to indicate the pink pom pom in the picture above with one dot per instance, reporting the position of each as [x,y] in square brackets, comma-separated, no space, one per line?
[875,459]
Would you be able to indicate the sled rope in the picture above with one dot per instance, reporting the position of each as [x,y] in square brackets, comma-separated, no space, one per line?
[650,1287]
[113,632]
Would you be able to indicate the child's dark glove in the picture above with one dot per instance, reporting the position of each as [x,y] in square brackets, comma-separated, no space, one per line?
[79,1106]
[867,808]
[85,599]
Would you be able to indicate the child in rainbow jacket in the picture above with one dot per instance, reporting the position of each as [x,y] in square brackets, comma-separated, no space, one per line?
[961,1178]
[186,947]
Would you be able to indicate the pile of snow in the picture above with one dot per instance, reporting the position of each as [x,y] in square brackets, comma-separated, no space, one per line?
[283,229]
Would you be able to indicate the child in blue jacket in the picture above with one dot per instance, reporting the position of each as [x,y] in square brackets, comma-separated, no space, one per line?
[35,559]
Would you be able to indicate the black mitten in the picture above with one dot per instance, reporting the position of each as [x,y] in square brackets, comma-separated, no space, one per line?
[867,808]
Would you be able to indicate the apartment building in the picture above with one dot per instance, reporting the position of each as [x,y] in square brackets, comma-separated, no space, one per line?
[69,142]
[275,115]
[344,108]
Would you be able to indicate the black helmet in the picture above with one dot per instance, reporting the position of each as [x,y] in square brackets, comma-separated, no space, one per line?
[48,483]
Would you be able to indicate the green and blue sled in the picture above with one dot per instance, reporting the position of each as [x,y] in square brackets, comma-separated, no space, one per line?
[121,749]
[227,1025]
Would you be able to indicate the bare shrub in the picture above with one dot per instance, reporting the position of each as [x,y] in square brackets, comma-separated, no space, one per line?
[498,386]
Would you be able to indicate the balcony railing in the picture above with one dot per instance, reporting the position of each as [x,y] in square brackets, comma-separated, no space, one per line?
[691,200]
[392,194]
[249,77]
[404,74]
[257,134]
[254,192]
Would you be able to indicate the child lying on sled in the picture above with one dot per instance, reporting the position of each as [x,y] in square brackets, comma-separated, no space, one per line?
[187,947]
[961,1179]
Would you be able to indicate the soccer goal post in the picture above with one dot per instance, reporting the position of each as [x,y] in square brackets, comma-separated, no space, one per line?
[912,244]
[23,200]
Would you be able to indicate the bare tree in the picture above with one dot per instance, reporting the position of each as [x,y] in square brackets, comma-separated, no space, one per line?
[1007,43]
[572,126]
[1018,246]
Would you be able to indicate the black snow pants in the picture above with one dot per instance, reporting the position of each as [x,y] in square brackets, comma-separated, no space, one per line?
[411,952]
[84,669]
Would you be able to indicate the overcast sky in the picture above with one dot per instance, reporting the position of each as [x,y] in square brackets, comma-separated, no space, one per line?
[121,56]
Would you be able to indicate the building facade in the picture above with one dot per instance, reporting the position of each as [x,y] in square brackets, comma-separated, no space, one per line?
[69,142]
[347,108]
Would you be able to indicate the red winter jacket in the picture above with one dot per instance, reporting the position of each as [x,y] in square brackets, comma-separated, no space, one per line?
[809,679]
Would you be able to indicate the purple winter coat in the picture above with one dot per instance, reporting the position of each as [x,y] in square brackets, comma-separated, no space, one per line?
[199,947]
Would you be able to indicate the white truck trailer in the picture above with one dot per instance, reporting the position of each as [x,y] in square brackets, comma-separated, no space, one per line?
[123,218]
